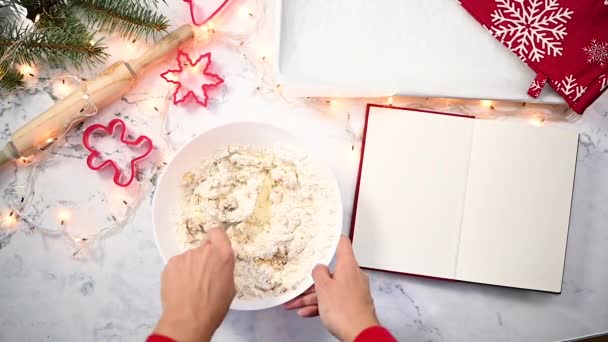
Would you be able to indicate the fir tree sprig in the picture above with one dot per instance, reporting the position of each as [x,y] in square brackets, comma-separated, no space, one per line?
[129,18]
[61,16]
[62,32]
[51,44]
[149,3]
[10,78]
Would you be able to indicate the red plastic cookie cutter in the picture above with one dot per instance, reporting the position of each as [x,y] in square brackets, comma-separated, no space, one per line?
[205,87]
[220,5]
[95,154]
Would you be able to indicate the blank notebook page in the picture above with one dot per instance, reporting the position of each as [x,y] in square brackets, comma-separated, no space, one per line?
[459,198]
[412,191]
[517,206]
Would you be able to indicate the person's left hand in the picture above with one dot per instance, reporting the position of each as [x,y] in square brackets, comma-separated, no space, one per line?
[197,289]
[306,303]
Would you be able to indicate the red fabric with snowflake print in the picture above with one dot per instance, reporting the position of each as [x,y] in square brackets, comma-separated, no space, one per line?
[564,41]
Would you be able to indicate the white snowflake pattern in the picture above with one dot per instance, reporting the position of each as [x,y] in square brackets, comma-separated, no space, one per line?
[532,29]
[597,52]
[569,86]
[536,87]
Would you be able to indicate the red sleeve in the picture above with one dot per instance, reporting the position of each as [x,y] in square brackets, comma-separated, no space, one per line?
[159,338]
[375,334]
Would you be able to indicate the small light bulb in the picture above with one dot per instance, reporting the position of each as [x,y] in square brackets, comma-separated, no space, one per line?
[92,42]
[264,53]
[37,18]
[10,219]
[49,140]
[203,33]
[390,101]
[63,89]
[244,11]
[537,120]
[486,103]
[26,69]
[333,103]
[64,215]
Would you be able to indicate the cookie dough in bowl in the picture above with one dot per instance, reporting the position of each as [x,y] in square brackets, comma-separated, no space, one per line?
[279,206]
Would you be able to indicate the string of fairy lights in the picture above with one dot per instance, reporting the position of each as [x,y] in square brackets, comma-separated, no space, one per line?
[260,58]
[19,195]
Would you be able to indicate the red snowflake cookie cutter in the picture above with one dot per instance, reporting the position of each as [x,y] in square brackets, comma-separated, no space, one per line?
[217,10]
[205,87]
[110,129]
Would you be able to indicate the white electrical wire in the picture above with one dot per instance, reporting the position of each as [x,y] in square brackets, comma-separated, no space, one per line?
[19,196]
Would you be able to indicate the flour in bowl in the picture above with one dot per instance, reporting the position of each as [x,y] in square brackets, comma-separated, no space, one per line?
[279,209]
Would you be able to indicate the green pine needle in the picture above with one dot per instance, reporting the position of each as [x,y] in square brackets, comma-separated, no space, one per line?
[61,16]
[10,78]
[128,17]
[64,31]
[149,3]
[54,45]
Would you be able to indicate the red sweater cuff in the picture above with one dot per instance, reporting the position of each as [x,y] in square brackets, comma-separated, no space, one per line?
[375,334]
[371,334]
[159,338]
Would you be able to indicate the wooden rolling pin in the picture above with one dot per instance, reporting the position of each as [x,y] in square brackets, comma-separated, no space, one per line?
[105,88]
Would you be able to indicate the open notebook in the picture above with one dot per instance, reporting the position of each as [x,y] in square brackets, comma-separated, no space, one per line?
[473,200]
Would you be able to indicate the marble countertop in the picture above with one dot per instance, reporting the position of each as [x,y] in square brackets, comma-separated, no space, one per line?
[112,293]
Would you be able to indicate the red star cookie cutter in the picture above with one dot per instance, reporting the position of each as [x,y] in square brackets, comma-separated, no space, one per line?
[205,87]
[219,6]
[95,154]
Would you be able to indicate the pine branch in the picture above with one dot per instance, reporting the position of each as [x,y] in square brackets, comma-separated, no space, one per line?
[55,45]
[128,17]
[58,35]
[9,77]
[148,3]
[62,17]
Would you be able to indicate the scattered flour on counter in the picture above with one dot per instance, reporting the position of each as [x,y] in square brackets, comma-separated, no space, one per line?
[279,210]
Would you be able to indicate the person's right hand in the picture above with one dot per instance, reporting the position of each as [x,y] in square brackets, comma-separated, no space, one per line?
[197,289]
[343,300]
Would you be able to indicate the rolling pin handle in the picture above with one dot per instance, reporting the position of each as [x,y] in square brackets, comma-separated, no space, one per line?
[8,153]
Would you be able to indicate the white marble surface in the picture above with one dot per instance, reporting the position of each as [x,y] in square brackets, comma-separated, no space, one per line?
[113,295]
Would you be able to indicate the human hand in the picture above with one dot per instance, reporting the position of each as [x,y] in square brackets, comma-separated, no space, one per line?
[343,300]
[197,289]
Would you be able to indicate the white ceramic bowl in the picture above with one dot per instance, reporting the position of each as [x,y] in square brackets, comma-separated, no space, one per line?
[167,197]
